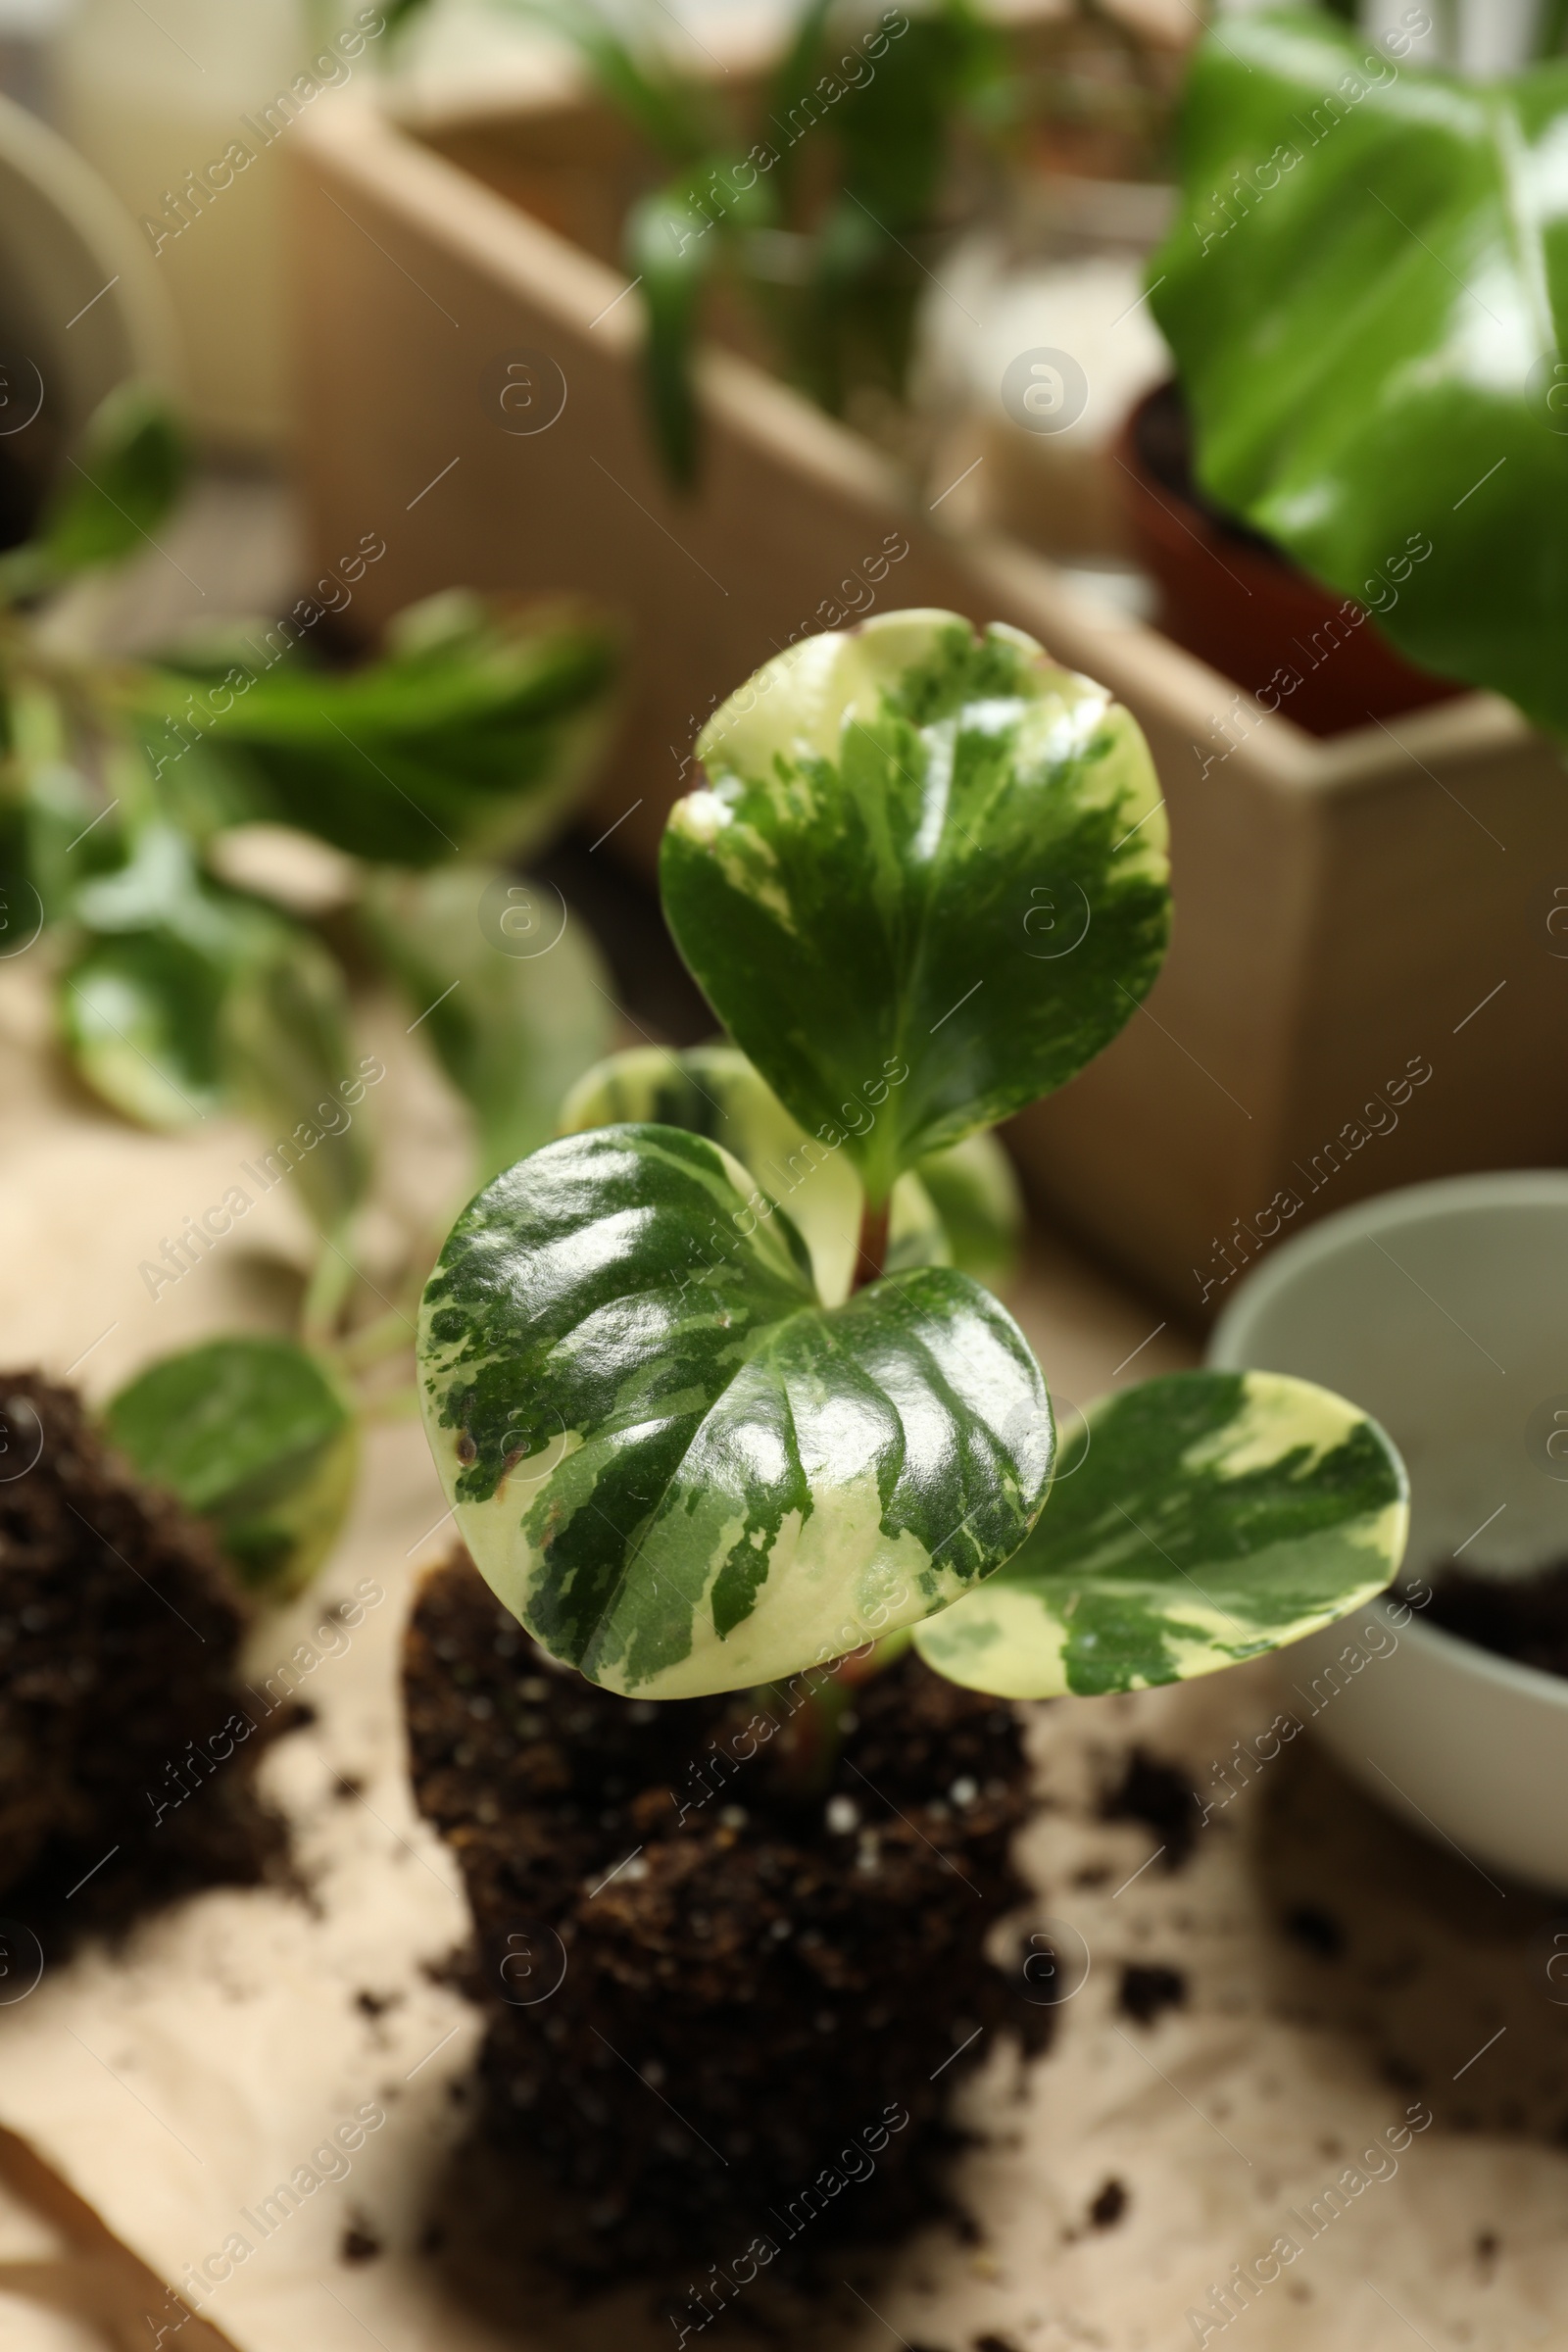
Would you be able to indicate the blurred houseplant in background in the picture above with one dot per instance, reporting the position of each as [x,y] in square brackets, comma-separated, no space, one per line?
[822,205]
[1365,293]
[124,792]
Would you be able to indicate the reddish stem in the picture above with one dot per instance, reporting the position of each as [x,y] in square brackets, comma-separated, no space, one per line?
[871,1250]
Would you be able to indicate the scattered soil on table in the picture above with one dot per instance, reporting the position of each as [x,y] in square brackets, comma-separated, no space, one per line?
[718,2015]
[1316,1930]
[1148,1987]
[1162,1797]
[119,1633]
[1107,2208]
[1434,1956]
[1520,1617]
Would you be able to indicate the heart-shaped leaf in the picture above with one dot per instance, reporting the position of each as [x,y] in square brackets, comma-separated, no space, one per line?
[1367,291]
[679,1469]
[714,1091]
[513,1021]
[926,883]
[251,1433]
[1214,1515]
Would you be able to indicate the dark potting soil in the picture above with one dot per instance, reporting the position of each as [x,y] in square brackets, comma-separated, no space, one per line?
[1524,1618]
[1148,1987]
[1164,433]
[716,2014]
[119,1631]
[1162,1797]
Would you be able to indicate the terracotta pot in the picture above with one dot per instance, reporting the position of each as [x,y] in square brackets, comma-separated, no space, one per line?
[1238,601]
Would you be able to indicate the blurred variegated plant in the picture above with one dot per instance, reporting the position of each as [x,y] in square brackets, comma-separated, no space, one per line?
[714,1380]
[180,995]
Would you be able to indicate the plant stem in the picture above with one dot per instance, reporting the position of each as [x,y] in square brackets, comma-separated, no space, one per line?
[871,1249]
[393,1405]
[374,1341]
[324,1294]
[811,1729]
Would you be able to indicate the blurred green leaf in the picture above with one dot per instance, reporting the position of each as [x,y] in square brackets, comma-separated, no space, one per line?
[791,91]
[671,251]
[472,734]
[56,832]
[183,996]
[140,1014]
[1352,235]
[72,835]
[673,112]
[141,996]
[113,494]
[283,1036]
[253,1435]
[895,129]
[974,1191]
[514,1031]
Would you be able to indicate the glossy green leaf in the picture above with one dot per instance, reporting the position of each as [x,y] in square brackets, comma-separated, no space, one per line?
[679,1469]
[1367,291]
[926,882]
[1215,1515]
[514,1010]
[253,1435]
[472,734]
[113,493]
[714,1091]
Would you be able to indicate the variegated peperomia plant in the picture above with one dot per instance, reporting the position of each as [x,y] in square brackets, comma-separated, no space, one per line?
[714,1380]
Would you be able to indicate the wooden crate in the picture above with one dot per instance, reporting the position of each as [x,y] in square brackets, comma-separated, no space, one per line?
[1347,910]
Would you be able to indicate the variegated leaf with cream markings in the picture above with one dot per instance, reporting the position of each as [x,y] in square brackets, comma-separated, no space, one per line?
[714,1091]
[925,884]
[1216,1514]
[671,1461]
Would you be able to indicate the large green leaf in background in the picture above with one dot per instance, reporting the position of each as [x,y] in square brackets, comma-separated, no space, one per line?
[679,1469]
[251,1433]
[1216,1514]
[1367,326]
[512,1032]
[471,734]
[713,1091]
[926,883]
